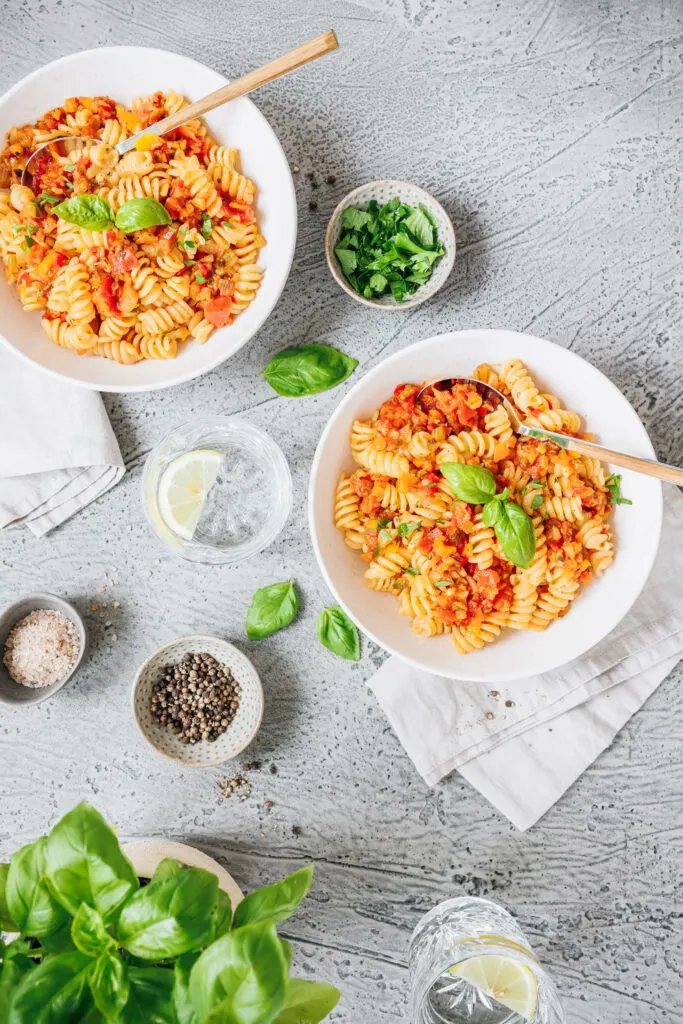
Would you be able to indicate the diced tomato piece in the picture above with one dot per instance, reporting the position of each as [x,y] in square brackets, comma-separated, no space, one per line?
[218,311]
[104,296]
[124,260]
[242,212]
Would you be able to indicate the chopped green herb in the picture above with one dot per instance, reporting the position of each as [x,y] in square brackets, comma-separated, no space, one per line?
[69,167]
[384,521]
[199,278]
[45,198]
[388,249]
[207,226]
[190,263]
[537,501]
[375,551]
[613,483]
[69,184]
[227,224]
[385,535]
[442,583]
[405,529]
[413,572]
[535,483]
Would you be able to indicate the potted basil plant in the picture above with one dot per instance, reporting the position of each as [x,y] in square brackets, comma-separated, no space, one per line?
[94,943]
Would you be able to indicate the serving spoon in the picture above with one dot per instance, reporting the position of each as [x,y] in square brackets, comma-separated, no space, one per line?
[315,48]
[650,467]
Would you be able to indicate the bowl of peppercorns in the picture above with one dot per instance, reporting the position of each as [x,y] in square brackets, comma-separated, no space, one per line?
[198,701]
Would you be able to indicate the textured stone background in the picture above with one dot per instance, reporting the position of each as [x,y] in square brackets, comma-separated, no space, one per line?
[551,130]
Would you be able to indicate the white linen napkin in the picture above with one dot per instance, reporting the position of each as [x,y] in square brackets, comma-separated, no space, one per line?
[57,449]
[527,755]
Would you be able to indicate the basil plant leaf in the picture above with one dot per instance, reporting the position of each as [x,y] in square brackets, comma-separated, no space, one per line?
[274,902]
[182,1002]
[516,534]
[241,978]
[110,985]
[90,212]
[338,633]
[57,991]
[151,997]
[221,915]
[169,917]
[7,922]
[472,484]
[308,1002]
[29,900]
[85,864]
[167,868]
[308,369]
[14,967]
[141,213]
[272,608]
[88,932]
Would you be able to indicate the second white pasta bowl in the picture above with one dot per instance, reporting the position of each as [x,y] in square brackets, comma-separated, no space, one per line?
[125,72]
[599,607]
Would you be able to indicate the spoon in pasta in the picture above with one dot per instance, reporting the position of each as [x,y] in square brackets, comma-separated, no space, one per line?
[315,48]
[670,474]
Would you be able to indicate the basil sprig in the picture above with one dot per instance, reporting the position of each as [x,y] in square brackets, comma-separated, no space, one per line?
[90,212]
[308,369]
[513,527]
[338,633]
[272,608]
[137,214]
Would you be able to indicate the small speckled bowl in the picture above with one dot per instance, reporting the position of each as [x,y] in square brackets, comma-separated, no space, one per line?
[241,730]
[412,195]
[23,696]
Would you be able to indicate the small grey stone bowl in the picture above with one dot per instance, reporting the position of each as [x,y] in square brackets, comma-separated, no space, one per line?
[15,693]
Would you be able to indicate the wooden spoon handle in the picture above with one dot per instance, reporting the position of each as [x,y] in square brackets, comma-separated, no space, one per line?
[281,66]
[670,474]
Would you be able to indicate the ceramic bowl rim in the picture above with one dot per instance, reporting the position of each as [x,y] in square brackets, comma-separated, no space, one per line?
[417,299]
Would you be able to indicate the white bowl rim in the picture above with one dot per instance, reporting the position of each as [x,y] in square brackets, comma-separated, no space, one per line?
[457,673]
[395,307]
[181,378]
[169,646]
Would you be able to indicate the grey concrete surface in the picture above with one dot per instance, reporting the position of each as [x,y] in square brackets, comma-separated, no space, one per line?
[551,130]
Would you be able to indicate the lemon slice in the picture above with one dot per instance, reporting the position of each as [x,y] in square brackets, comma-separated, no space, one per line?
[507,981]
[184,486]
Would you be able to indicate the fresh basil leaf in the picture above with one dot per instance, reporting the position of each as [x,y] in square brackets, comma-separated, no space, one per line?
[347,259]
[15,966]
[516,534]
[182,1001]
[308,369]
[420,227]
[54,992]
[221,916]
[473,484]
[90,212]
[274,902]
[59,941]
[492,512]
[151,997]
[241,978]
[167,868]
[207,226]
[338,633]
[613,483]
[169,917]
[308,1002]
[29,900]
[88,932]
[272,608]
[7,922]
[85,864]
[136,214]
[110,985]
[353,219]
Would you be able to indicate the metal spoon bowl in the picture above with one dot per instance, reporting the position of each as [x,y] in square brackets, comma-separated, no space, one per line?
[650,467]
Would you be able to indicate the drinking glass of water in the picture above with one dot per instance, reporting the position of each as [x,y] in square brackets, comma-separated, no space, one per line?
[470,963]
[217,490]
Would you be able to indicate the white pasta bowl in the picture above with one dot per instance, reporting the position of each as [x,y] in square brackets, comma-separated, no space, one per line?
[598,608]
[123,72]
